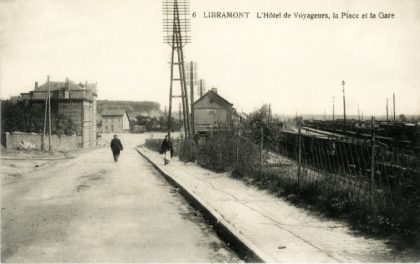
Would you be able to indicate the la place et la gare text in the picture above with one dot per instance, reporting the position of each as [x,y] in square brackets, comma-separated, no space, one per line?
[296,15]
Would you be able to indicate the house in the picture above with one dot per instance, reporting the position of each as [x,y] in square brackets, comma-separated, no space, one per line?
[71,100]
[212,110]
[115,120]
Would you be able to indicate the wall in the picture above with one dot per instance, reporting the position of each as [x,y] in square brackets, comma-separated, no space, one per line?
[209,117]
[62,143]
[126,123]
[87,123]
[211,110]
[93,136]
[112,124]
[72,110]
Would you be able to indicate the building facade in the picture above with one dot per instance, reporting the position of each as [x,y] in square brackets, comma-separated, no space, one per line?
[115,121]
[212,110]
[74,101]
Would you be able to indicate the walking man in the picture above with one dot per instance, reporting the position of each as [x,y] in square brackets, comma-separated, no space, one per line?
[166,147]
[116,147]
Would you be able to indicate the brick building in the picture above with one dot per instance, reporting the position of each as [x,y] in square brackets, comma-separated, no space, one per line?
[74,101]
[114,120]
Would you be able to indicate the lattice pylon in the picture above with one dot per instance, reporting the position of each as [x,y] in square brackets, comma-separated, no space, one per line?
[176,28]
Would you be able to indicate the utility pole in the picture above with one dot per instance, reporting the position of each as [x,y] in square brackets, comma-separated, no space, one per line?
[344,104]
[333,113]
[268,115]
[358,112]
[192,95]
[393,100]
[387,111]
[45,123]
[49,114]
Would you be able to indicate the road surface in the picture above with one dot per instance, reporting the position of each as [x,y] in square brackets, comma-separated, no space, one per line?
[90,209]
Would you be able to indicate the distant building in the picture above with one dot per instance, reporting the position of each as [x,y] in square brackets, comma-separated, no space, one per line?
[74,101]
[212,110]
[114,120]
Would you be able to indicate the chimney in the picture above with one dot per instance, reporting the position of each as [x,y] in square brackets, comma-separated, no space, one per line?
[36,85]
[214,90]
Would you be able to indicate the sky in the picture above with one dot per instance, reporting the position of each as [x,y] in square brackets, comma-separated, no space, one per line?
[292,64]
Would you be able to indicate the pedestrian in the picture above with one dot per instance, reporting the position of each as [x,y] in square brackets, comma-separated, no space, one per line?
[166,150]
[116,147]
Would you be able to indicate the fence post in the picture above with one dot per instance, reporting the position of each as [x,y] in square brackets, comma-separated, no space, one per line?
[299,153]
[261,149]
[372,165]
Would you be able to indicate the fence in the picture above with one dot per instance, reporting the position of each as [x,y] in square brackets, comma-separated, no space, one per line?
[348,173]
[362,177]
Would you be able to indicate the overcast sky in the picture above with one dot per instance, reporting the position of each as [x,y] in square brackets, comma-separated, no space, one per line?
[293,64]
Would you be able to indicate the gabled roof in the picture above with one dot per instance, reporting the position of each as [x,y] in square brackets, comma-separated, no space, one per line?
[58,86]
[213,95]
[113,112]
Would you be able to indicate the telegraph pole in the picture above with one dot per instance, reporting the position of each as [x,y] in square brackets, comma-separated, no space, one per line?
[358,113]
[387,111]
[333,112]
[49,114]
[192,95]
[393,100]
[45,122]
[344,104]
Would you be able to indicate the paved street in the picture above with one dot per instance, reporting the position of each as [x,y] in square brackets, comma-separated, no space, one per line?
[90,209]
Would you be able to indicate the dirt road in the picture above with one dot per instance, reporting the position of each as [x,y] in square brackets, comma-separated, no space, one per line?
[90,209]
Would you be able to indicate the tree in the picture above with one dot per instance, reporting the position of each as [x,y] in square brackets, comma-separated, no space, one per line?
[63,126]
[12,117]
[255,121]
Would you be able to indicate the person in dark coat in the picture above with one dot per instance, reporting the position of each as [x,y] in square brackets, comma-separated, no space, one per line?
[116,147]
[166,147]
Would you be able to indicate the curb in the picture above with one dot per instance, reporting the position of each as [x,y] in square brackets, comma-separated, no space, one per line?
[245,249]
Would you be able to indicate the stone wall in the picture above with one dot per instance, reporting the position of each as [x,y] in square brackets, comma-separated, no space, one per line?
[63,143]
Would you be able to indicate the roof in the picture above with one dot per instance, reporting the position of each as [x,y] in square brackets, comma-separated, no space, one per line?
[58,86]
[215,96]
[113,112]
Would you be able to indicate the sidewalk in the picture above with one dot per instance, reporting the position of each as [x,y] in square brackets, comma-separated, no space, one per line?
[268,226]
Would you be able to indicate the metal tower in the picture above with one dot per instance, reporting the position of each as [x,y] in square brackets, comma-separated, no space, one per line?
[176,26]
